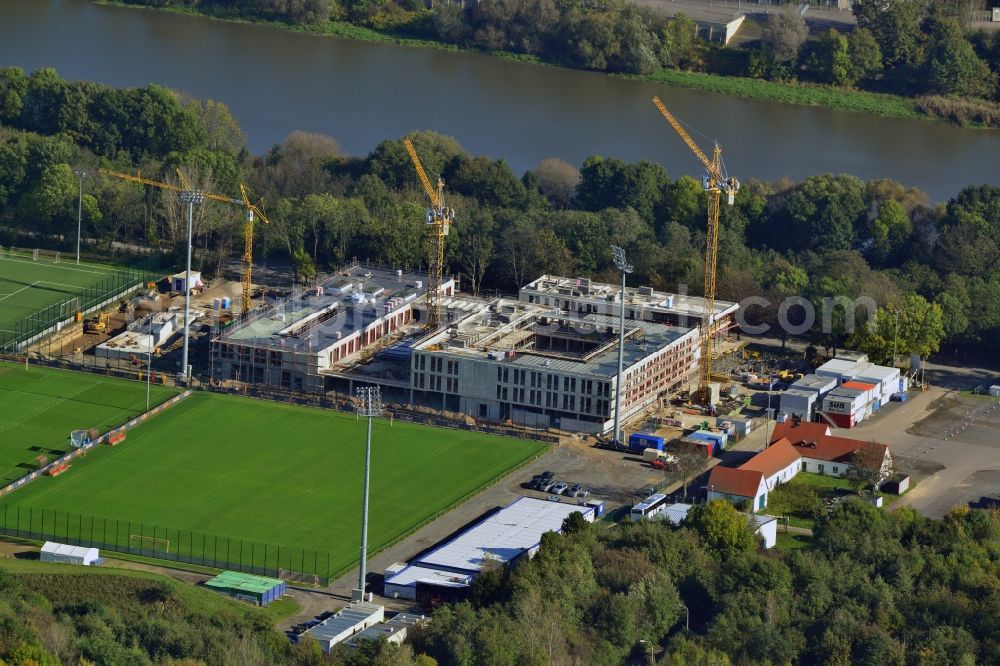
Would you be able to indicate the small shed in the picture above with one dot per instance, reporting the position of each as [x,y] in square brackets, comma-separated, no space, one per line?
[248,587]
[66,554]
[995,391]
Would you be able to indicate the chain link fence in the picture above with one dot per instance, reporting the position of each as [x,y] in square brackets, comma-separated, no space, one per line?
[394,411]
[38,324]
[164,543]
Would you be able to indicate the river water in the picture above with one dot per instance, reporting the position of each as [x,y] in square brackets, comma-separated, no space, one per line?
[276,81]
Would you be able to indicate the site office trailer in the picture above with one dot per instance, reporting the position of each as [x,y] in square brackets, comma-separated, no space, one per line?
[845,406]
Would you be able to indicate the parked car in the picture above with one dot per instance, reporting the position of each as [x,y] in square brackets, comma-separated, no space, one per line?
[576,490]
[546,484]
[538,479]
[559,488]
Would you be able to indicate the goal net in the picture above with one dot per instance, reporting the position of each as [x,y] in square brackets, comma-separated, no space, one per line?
[69,308]
[139,541]
[298,577]
[78,438]
[34,254]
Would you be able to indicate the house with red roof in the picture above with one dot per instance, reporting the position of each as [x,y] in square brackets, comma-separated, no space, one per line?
[822,452]
[796,446]
[738,485]
[753,480]
[778,463]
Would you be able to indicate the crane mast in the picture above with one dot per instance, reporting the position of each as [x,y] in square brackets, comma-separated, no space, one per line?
[438,220]
[714,182]
[252,210]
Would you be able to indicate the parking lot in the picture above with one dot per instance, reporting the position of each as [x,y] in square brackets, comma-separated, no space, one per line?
[948,443]
[615,477]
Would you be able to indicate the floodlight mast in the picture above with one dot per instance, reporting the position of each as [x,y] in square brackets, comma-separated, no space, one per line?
[370,406]
[618,254]
[191,198]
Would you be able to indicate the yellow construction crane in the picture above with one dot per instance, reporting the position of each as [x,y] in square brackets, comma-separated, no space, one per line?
[439,218]
[252,210]
[715,182]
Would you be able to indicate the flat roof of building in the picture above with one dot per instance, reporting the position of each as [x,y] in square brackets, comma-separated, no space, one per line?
[814,383]
[413,574]
[236,580]
[879,372]
[645,297]
[841,392]
[799,393]
[349,616]
[507,325]
[502,537]
[839,366]
[316,318]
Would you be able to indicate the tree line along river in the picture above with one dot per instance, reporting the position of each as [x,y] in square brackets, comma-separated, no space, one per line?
[276,81]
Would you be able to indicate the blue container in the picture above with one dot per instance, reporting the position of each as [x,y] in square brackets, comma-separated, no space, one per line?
[226,303]
[638,442]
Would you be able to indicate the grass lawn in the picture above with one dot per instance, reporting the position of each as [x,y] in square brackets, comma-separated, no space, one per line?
[28,286]
[826,485]
[216,472]
[789,542]
[72,584]
[793,498]
[40,406]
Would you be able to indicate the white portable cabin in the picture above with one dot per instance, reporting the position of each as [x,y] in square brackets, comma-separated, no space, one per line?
[66,554]
[178,280]
[799,402]
[886,378]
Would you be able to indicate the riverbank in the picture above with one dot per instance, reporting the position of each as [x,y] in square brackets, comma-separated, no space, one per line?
[794,93]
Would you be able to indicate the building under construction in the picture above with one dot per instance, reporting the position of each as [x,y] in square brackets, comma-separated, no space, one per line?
[545,358]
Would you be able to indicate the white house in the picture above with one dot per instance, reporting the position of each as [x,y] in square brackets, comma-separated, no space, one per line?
[738,485]
[823,453]
[766,527]
[779,462]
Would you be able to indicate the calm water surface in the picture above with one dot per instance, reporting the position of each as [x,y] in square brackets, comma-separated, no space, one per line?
[277,81]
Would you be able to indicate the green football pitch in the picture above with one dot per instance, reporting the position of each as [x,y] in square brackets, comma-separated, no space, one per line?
[28,286]
[215,473]
[39,407]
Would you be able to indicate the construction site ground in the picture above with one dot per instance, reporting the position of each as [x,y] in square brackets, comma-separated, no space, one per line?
[75,345]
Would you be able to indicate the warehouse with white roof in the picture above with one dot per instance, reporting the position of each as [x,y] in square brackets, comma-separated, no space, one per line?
[503,537]
[445,572]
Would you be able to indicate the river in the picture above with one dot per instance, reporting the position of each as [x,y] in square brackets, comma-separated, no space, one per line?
[276,81]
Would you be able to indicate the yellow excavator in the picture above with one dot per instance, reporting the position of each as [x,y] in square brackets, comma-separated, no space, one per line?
[98,324]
